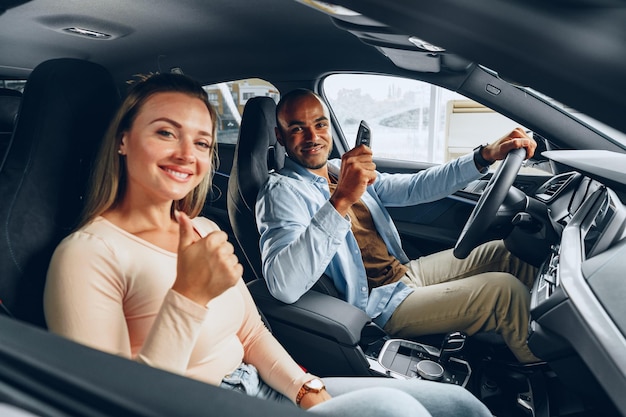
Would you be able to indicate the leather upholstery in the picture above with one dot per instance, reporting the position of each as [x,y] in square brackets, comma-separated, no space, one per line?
[66,107]
[256,154]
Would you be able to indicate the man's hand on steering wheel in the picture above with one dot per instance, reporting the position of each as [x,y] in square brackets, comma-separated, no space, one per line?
[509,148]
[516,139]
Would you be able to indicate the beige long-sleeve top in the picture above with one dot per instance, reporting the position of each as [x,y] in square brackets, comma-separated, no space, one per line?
[111,290]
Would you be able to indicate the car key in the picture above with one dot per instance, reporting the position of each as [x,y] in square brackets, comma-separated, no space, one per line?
[364,135]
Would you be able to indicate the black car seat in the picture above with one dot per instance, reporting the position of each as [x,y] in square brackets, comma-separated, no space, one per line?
[66,107]
[257,154]
[321,331]
[9,104]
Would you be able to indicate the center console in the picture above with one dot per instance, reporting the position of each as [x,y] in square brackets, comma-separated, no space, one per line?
[404,359]
[330,337]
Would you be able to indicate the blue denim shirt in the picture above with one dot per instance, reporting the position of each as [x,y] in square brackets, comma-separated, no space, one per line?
[303,236]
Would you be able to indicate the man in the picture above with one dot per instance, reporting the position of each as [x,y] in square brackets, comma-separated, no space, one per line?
[317,216]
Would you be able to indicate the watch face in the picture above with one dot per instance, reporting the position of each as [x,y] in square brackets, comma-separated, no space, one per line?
[315,384]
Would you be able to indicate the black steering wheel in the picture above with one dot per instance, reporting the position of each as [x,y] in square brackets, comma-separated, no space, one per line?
[492,197]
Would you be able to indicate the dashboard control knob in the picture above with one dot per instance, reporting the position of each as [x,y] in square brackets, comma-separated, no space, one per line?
[429,370]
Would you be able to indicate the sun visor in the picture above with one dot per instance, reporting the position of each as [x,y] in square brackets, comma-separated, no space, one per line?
[412,60]
[405,51]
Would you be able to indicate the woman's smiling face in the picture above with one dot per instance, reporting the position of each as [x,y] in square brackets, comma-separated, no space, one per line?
[168,148]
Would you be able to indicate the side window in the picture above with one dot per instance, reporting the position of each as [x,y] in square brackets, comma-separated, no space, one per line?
[13,84]
[411,120]
[229,99]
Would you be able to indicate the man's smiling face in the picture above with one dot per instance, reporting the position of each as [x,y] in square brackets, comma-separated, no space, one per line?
[304,130]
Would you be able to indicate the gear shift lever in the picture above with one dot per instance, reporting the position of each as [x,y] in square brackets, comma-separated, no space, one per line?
[452,343]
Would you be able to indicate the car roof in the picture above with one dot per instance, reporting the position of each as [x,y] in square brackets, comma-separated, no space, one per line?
[571,50]
[210,41]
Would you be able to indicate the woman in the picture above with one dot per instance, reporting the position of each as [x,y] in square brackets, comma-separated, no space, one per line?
[145,278]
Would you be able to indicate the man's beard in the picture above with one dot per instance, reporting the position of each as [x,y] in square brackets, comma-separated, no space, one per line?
[306,165]
[314,167]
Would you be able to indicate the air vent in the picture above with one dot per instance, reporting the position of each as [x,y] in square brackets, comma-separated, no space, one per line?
[554,187]
[93,34]
[548,190]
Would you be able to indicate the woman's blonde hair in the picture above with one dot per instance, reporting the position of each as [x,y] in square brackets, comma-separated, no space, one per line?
[108,179]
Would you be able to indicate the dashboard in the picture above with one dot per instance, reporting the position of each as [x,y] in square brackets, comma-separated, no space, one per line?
[578,302]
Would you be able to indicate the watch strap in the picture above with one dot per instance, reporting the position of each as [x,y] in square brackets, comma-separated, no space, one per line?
[305,389]
[478,156]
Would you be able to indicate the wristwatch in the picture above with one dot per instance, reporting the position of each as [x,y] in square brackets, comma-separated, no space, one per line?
[478,156]
[314,385]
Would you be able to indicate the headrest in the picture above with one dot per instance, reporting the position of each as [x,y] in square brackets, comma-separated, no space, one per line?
[257,151]
[9,105]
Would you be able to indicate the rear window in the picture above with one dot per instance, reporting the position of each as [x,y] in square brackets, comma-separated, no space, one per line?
[229,99]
